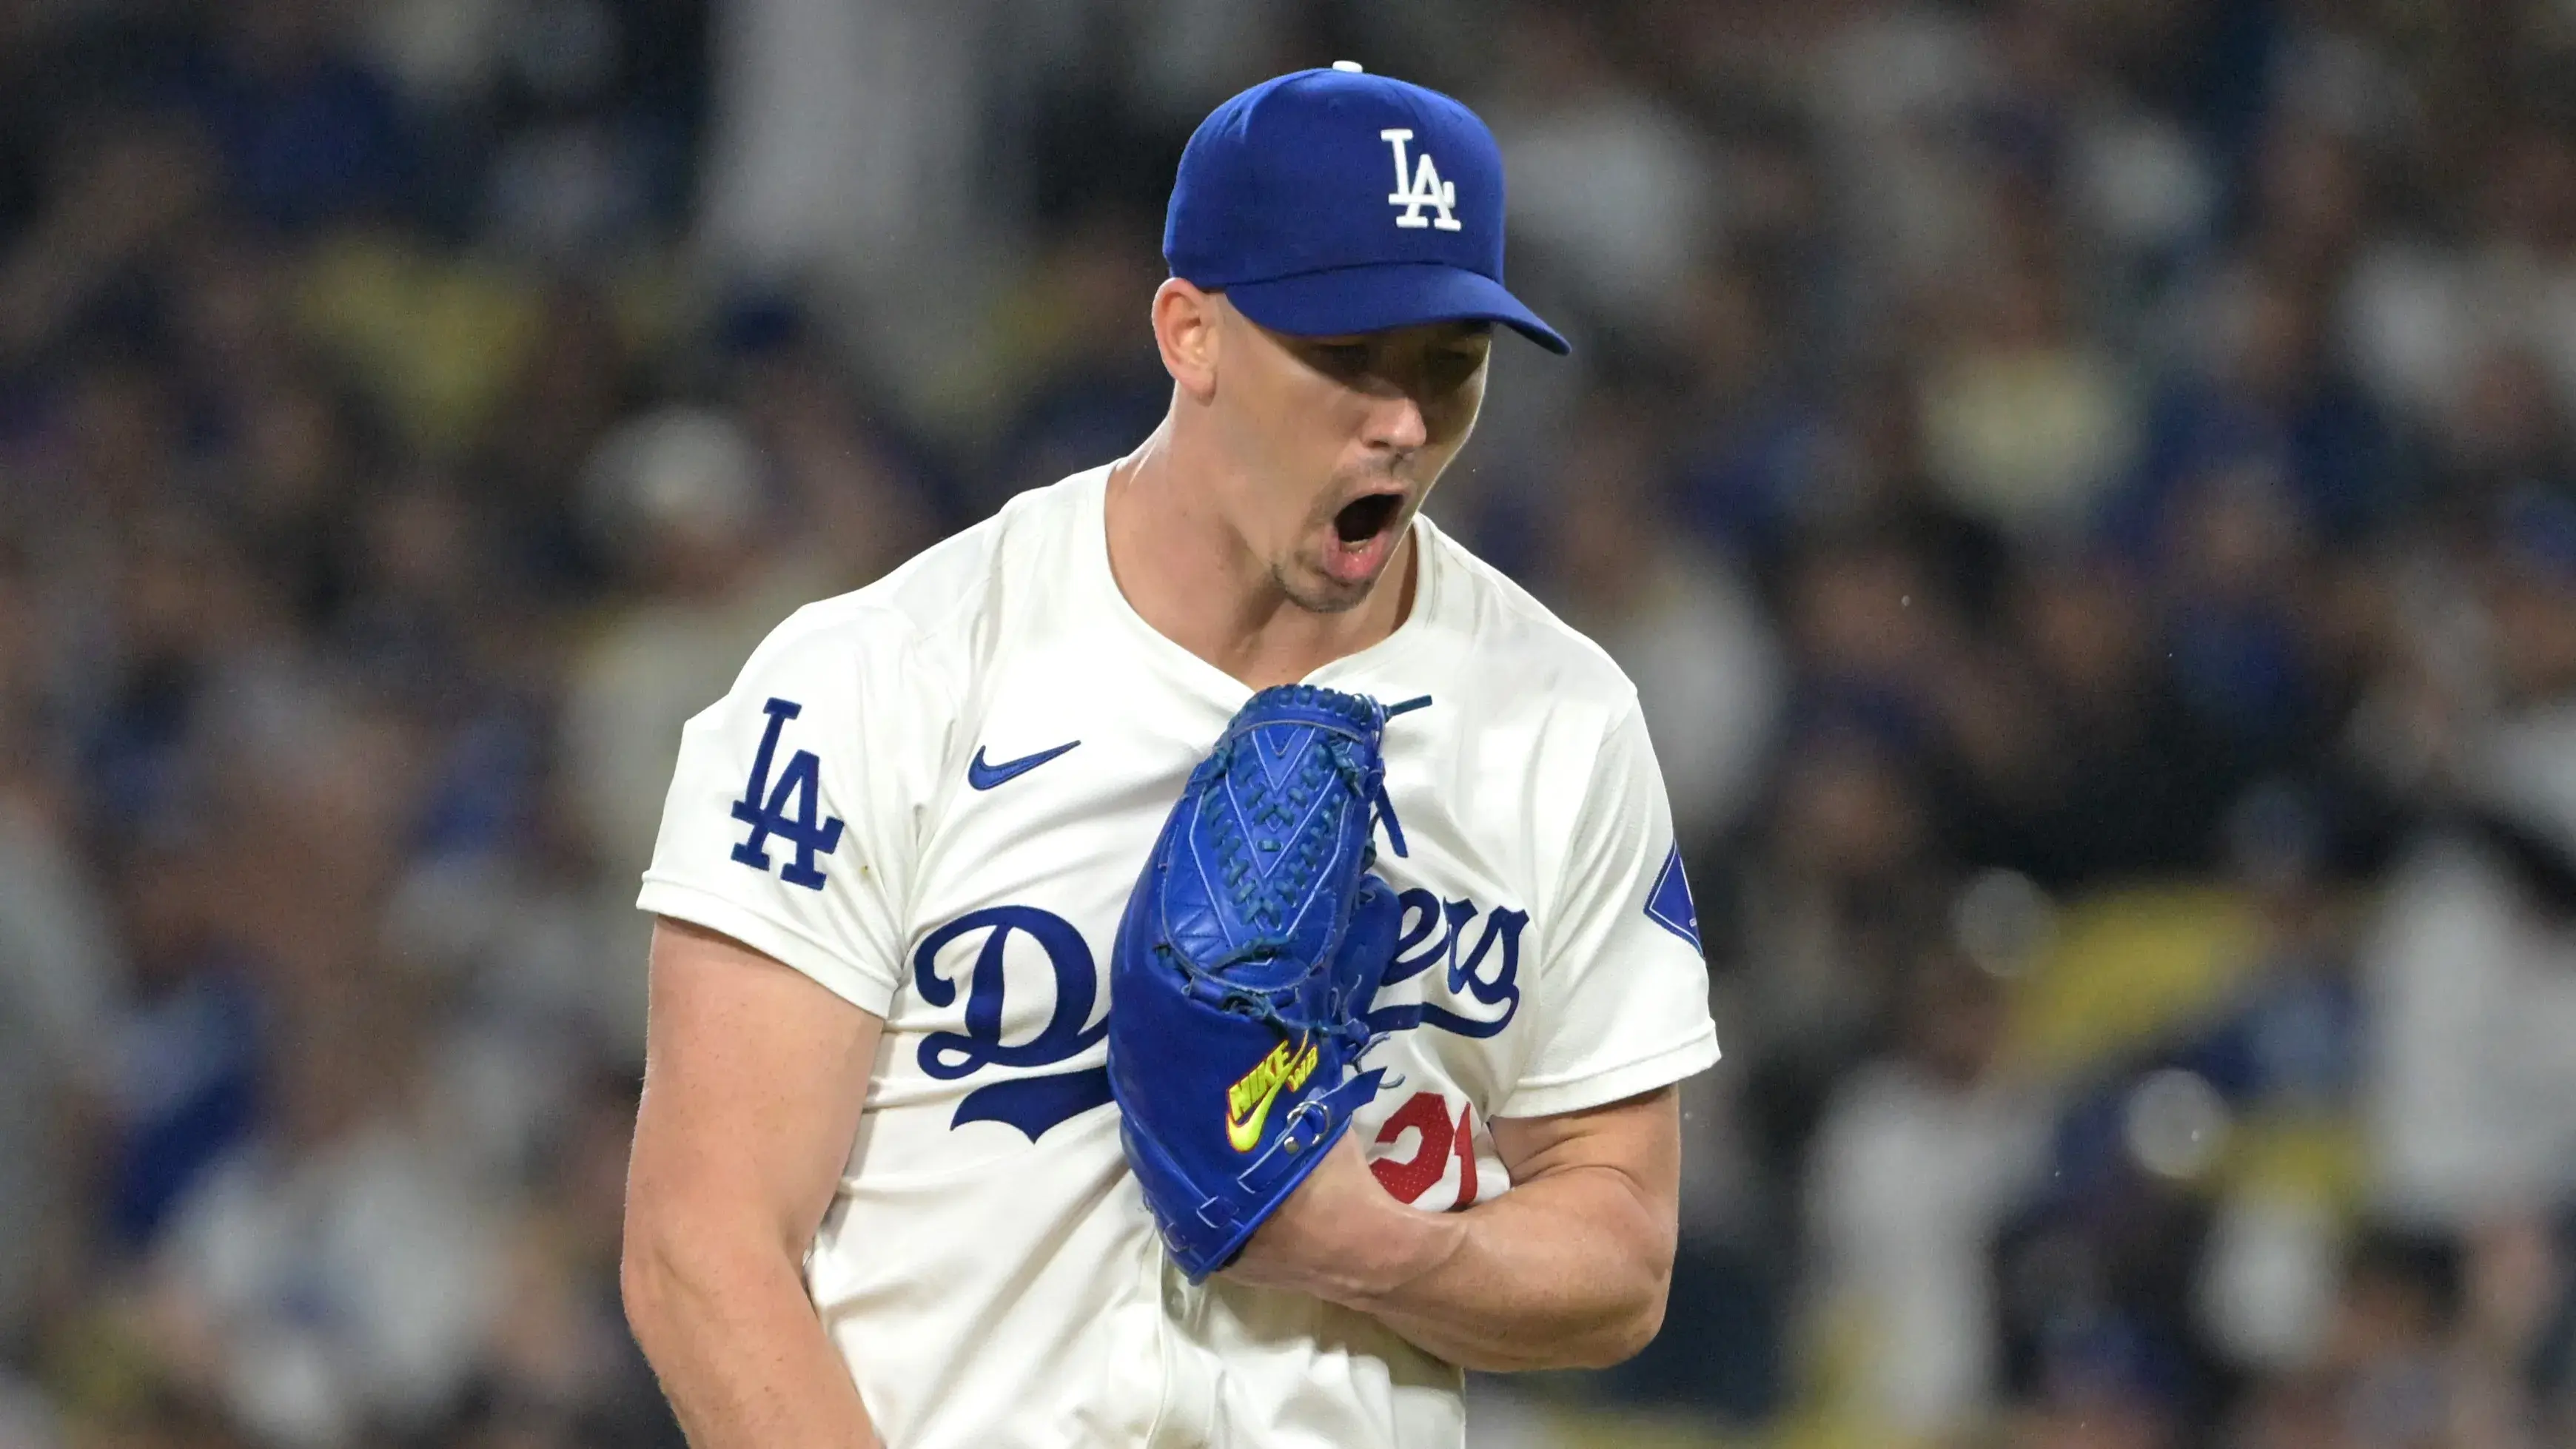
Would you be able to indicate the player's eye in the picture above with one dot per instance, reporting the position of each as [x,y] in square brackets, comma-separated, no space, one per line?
[1453,366]
[1342,359]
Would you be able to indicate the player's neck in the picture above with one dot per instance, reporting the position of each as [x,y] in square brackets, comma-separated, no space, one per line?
[1187,574]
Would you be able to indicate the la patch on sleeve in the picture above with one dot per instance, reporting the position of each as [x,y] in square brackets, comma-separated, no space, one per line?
[791,809]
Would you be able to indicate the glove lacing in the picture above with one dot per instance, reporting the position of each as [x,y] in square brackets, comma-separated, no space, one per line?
[1278,1004]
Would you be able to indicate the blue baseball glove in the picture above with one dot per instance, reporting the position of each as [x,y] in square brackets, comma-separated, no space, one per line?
[1245,967]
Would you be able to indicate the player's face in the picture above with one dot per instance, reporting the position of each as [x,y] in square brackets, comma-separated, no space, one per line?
[1341,437]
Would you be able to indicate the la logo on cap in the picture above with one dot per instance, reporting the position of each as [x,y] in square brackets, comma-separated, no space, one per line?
[1415,187]
[1425,186]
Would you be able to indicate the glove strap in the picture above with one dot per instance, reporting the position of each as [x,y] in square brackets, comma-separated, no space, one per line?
[1315,1125]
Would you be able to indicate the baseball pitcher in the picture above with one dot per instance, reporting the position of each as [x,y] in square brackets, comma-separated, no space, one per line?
[1198,959]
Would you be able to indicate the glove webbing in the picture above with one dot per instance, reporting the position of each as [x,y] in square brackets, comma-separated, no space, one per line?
[1206,984]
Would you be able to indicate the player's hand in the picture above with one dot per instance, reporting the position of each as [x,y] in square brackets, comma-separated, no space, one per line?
[1342,1238]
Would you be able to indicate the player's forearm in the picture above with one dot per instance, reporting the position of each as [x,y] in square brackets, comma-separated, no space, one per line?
[739,1352]
[1565,1271]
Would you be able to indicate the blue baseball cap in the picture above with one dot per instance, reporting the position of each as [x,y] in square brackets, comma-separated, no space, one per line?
[1329,202]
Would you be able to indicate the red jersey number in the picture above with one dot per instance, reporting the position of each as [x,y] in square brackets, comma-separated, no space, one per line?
[1408,1178]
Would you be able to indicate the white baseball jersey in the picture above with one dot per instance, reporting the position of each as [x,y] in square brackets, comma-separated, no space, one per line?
[934,796]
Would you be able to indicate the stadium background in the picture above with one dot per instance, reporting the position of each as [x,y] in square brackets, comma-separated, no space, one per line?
[2085,488]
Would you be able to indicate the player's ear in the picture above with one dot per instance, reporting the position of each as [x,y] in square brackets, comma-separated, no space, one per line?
[1186,326]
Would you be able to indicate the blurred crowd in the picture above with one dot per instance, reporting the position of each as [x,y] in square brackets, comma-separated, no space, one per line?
[2086,490]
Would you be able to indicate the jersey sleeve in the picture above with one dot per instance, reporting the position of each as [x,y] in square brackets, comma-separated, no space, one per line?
[793,818]
[1623,990]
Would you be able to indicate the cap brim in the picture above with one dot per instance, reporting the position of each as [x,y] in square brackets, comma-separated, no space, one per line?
[1349,300]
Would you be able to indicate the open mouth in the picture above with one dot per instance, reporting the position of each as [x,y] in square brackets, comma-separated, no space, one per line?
[1365,518]
[1363,537]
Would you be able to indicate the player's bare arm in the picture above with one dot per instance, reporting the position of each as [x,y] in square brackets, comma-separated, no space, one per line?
[753,1083]
[1569,1269]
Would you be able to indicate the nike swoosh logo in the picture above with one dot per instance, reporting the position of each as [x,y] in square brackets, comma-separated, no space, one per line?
[1246,1134]
[984,777]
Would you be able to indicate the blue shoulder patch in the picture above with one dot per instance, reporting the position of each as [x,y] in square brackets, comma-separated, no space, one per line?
[1669,904]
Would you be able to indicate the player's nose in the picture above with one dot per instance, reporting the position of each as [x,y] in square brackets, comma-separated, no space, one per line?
[1396,423]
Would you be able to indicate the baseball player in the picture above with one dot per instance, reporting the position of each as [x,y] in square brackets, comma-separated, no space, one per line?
[878,1189]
